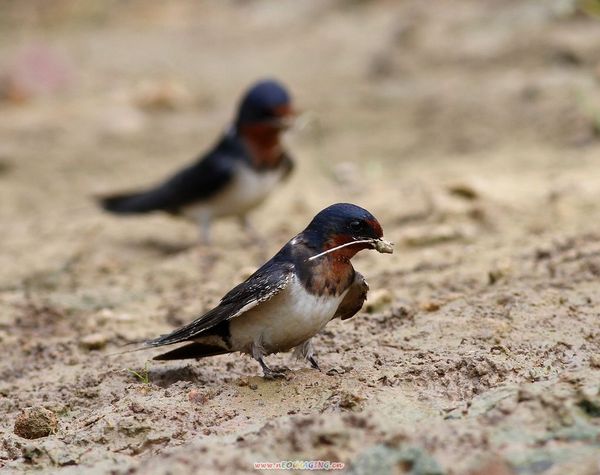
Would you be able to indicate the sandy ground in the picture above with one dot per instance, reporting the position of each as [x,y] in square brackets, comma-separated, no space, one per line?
[470,129]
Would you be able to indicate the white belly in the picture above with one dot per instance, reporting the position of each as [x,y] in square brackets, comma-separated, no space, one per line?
[287,320]
[247,190]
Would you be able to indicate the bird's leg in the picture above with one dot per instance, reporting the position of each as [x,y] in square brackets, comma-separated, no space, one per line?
[207,258]
[306,351]
[204,229]
[258,353]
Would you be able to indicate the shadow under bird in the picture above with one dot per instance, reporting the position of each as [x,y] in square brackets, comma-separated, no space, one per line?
[291,298]
[235,176]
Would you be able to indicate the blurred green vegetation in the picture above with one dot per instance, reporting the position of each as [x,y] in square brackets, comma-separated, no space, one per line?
[590,7]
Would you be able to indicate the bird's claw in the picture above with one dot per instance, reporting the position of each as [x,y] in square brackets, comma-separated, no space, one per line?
[274,375]
[281,369]
[313,363]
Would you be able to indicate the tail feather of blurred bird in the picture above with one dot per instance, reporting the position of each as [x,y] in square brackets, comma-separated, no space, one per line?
[133,203]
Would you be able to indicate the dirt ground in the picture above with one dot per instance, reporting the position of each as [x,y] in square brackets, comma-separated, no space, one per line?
[471,129]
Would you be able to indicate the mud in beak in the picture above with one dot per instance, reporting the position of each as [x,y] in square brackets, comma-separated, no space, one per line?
[383,246]
[380,245]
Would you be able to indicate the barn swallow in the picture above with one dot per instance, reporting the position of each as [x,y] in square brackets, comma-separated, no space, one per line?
[235,176]
[291,298]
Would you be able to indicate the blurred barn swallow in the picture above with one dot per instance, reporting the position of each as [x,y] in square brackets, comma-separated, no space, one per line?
[291,298]
[235,176]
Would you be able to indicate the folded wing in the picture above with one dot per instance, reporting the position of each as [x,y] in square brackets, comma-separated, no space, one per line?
[261,286]
[354,299]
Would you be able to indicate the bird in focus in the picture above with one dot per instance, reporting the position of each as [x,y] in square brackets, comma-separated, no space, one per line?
[235,176]
[291,298]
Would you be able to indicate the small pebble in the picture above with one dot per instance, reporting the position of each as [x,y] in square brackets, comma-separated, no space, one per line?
[377,300]
[94,341]
[430,306]
[350,401]
[35,422]
[197,397]
[468,191]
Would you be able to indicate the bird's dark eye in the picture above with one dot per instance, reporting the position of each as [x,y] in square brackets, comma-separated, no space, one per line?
[355,225]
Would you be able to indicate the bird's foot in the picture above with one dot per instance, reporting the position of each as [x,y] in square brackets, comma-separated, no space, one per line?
[334,372]
[273,373]
[281,369]
[313,363]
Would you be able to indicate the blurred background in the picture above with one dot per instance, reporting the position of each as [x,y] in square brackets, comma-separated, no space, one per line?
[97,96]
[470,128]
[401,99]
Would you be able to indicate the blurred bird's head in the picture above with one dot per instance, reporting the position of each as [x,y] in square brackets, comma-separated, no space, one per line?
[343,229]
[267,104]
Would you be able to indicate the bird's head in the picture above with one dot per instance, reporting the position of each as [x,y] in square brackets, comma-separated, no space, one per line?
[343,229]
[266,104]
